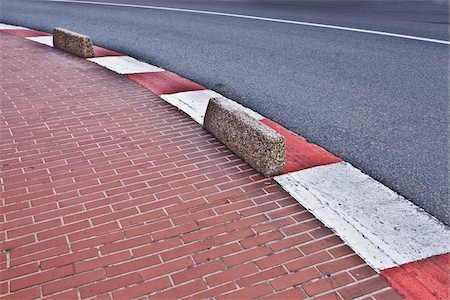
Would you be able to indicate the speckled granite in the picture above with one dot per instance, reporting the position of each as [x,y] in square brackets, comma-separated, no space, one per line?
[260,146]
[73,42]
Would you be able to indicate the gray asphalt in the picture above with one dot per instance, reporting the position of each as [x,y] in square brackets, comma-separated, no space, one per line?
[381,103]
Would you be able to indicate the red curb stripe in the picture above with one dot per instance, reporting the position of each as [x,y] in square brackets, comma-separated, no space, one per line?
[102,52]
[425,279]
[26,32]
[300,154]
[165,82]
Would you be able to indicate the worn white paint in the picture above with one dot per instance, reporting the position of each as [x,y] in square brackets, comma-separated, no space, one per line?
[125,64]
[195,103]
[7,26]
[247,110]
[46,40]
[384,228]
[283,21]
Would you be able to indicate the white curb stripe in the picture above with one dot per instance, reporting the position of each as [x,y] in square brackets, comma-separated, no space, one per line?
[195,103]
[214,13]
[46,40]
[247,110]
[125,64]
[384,228]
[7,26]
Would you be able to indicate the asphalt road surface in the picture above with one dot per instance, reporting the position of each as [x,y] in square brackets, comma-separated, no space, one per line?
[379,102]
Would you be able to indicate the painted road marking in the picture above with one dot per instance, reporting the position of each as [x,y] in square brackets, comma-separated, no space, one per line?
[381,226]
[26,32]
[165,82]
[7,26]
[46,40]
[193,103]
[205,12]
[124,64]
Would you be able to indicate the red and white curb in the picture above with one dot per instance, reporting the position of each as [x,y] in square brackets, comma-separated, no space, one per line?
[389,232]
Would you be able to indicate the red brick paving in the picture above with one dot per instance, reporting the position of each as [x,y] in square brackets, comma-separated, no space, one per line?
[108,191]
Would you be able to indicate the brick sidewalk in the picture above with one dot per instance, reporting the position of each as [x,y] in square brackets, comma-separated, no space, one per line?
[110,192]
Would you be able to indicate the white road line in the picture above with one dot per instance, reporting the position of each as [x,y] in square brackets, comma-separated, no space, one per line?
[195,103]
[204,12]
[7,26]
[46,40]
[384,228]
[125,64]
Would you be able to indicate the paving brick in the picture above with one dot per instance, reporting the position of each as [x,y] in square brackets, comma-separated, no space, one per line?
[193,217]
[103,261]
[33,228]
[309,260]
[16,223]
[157,247]
[96,241]
[261,239]
[278,258]
[184,250]
[129,198]
[363,288]
[175,231]
[321,244]
[295,279]
[293,294]
[132,265]
[126,244]
[141,289]
[250,292]
[67,295]
[327,284]
[231,274]
[261,276]
[32,247]
[216,252]
[182,290]
[213,292]
[232,236]
[72,282]
[276,224]
[198,271]
[167,268]
[87,214]
[340,251]
[148,229]
[31,293]
[14,243]
[290,242]
[41,277]
[61,230]
[362,272]
[108,285]
[302,227]
[245,256]
[203,234]
[19,271]
[340,264]
[389,294]
[67,259]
